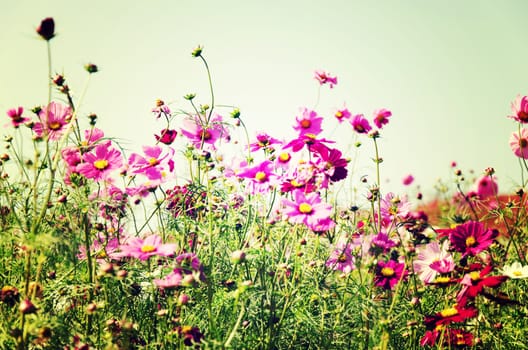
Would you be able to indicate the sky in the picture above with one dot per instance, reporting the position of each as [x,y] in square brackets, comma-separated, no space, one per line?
[448,70]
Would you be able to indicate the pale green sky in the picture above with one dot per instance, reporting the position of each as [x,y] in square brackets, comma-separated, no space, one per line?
[448,70]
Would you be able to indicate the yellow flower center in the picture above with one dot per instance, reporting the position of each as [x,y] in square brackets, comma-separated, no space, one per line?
[460,339]
[205,135]
[261,176]
[449,312]
[342,258]
[517,273]
[153,161]
[295,183]
[339,114]
[305,208]
[305,123]
[442,279]
[387,271]
[101,164]
[147,248]
[284,157]
[470,241]
[475,275]
[54,125]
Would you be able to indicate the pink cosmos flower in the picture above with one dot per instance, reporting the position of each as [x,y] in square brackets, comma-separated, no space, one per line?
[342,114]
[261,178]
[519,143]
[394,207]
[307,209]
[380,243]
[202,135]
[308,122]
[408,180]
[485,186]
[308,140]
[283,160]
[143,249]
[264,141]
[341,259]
[91,136]
[389,273]
[381,117]
[154,165]
[166,136]
[520,109]
[432,260]
[332,165]
[471,238]
[53,120]
[100,162]
[360,124]
[161,109]
[102,248]
[173,280]
[324,78]
[16,116]
[301,177]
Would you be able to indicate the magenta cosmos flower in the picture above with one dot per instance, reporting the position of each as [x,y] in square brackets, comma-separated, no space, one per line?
[308,122]
[324,78]
[519,143]
[16,116]
[100,162]
[341,259]
[53,121]
[143,249]
[408,180]
[309,140]
[381,117]
[264,141]
[166,136]
[432,260]
[471,238]
[389,273]
[342,114]
[260,178]
[332,165]
[485,186]
[520,109]
[307,209]
[360,124]
[155,165]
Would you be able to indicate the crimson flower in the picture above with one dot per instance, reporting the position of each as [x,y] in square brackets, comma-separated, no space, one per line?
[457,313]
[166,136]
[360,124]
[520,109]
[474,282]
[471,238]
[16,116]
[46,29]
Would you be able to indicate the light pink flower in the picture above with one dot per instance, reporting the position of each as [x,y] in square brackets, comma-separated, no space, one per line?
[308,122]
[432,260]
[519,143]
[155,165]
[381,117]
[520,109]
[307,209]
[324,78]
[143,249]
[53,120]
[202,135]
[100,162]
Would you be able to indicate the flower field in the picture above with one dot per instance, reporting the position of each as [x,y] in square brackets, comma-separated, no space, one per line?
[184,246]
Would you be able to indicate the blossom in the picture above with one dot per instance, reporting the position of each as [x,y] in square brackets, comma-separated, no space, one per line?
[308,122]
[309,140]
[53,120]
[381,117]
[154,165]
[201,134]
[100,162]
[520,109]
[102,247]
[474,282]
[263,142]
[519,143]
[360,124]
[324,78]
[342,114]
[471,238]
[173,280]
[91,136]
[166,136]
[341,258]
[452,336]
[515,270]
[260,177]
[161,109]
[143,249]
[394,207]
[307,209]
[332,165]
[456,313]
[389,273]
[407,180]
[432,260]
[16,116]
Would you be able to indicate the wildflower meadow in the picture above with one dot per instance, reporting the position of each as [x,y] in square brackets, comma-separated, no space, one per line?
[217,238]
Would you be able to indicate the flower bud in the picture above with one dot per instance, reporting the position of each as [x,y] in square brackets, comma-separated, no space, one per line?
[27,307]
[91,68]
[238,257]
[46,29]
